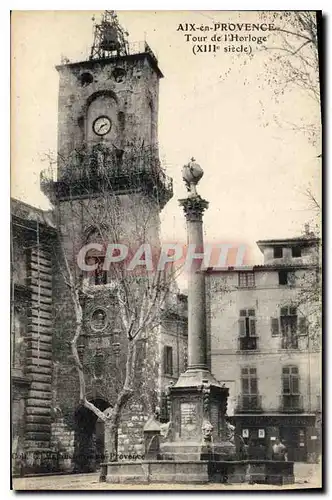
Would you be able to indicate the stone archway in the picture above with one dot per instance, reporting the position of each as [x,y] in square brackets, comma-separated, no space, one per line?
[89,438]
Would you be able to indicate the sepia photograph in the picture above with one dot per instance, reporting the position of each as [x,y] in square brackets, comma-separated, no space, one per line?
[166,250]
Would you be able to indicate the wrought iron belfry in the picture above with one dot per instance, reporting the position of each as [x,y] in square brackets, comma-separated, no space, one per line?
[110,39]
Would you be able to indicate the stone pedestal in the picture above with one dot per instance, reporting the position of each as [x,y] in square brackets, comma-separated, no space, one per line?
[198,427]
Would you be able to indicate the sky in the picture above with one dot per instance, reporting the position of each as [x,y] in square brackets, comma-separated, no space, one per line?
[217,107]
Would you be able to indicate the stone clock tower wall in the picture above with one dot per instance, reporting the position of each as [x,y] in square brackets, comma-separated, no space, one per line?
[111,180]
[125,89]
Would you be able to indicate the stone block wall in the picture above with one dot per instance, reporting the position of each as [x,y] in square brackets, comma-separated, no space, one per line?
[130,434]
[62,444]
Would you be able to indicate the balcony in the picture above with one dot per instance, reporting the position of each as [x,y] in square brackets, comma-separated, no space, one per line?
[248,343]
[249,403]
[289,342]
[291,403]
[130,49]
[96,169]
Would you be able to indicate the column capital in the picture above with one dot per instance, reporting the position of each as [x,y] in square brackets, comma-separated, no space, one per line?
[194,207]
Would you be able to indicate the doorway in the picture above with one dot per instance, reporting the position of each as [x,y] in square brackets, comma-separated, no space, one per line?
[89,438]
[294,439]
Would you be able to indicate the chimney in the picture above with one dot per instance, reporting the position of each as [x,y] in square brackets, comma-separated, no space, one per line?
[307,229]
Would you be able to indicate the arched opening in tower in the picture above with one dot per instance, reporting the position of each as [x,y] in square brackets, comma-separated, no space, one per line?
[89,438]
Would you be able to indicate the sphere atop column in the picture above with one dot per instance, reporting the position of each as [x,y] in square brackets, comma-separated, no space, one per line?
[192,174]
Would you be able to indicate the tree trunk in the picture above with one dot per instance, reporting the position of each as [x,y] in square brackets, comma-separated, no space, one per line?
[111,441]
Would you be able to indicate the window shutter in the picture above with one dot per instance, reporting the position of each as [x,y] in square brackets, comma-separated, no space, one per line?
[303,326]
[252,327]
[242,327]
[284,311]
[274,327]
[295,384]
[245,385]
[253,386]
[286,384]
[170,360]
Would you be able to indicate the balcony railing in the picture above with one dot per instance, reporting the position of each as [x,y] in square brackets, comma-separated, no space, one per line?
[130,49]
[291,403]
[97,168]
[249,403]
[248,343]
[289,342]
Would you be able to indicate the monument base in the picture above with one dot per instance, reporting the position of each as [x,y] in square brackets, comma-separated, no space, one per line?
[198,472]
[193,451]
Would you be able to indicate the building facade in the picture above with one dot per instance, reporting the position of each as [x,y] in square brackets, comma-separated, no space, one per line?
[264,335]
[108,187]
[32,235]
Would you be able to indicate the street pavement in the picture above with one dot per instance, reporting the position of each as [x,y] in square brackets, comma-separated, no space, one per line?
[306,476]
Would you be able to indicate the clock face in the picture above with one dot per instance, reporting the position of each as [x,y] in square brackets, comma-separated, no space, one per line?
[101,125]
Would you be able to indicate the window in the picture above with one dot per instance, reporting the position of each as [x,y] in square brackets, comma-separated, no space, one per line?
[275,327]
[288,327]
[100,276]
[246,279]
[247,323]
[86,79]
[283,278]
[302,326]
[249,400]
[168,360]
[249,381]
[290,380]
[277,252]
[296,251]
[247,329]
[96,257]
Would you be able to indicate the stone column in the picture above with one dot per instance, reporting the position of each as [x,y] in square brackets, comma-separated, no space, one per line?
[197,342]
[197,427]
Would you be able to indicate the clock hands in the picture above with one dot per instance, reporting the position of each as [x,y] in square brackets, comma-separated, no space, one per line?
[102,125]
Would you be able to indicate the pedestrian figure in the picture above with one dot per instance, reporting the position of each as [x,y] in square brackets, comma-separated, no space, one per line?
[279,451]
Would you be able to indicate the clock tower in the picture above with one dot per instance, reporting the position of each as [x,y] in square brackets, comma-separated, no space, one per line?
[109,178]
[108,118]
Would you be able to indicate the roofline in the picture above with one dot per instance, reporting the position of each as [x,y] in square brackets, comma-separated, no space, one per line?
[30,223]
[282,241]
[263,267]
[20,202]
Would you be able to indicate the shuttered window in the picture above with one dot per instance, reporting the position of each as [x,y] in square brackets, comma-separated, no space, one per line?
[247,323]
[249,381]
[168,360]
[302,326]
[275,327]
[290,380]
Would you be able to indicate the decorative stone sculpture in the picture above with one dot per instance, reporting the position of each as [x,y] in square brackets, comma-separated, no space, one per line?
[207,429]
[192,174]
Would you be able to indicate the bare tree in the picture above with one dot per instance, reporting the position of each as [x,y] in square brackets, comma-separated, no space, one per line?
[309,298]
[293,63]
[138,296]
